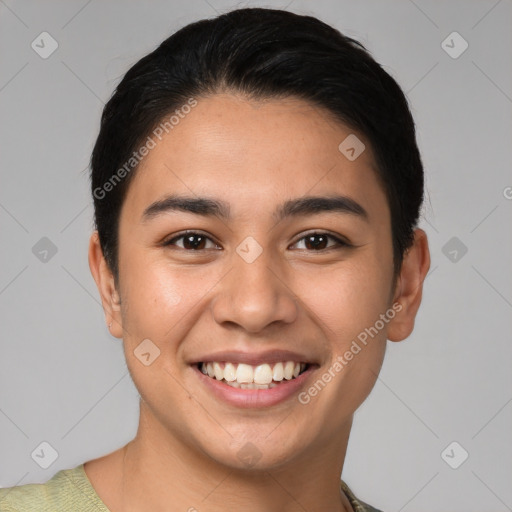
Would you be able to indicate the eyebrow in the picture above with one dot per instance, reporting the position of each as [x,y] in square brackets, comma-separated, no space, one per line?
[210,207]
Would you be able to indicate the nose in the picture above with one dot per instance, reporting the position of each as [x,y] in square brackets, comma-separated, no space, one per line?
[254,295]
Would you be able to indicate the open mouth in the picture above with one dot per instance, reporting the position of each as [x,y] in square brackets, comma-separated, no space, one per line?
[246,376]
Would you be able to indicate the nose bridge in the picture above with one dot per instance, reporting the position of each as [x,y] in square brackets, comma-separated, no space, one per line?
[254,295]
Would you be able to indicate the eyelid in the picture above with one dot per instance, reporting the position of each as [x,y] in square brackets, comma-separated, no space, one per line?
[339,239]
[182,234]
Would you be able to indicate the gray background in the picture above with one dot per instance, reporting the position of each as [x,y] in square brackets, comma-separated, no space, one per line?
[63,378]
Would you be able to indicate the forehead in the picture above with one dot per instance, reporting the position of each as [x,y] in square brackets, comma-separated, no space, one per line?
[251,153]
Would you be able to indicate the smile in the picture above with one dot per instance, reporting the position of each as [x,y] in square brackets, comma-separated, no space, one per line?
[245,376]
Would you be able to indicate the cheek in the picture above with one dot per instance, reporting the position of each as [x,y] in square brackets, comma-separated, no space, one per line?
[161,304]
[347,304]
[346,300]
[160,299]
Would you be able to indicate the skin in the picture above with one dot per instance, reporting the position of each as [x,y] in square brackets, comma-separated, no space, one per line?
[253,155]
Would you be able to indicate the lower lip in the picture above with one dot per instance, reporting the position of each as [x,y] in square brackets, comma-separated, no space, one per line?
[249,398]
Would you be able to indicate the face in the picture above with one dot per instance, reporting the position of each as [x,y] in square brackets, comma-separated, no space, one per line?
[247,285]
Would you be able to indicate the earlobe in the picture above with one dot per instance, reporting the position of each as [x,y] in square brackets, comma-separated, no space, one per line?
[409,288]
[106,286]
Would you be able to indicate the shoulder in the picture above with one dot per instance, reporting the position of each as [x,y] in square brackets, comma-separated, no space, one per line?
[357,504]
[69,489]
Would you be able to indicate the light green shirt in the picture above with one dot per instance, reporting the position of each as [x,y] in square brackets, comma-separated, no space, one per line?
[71,491]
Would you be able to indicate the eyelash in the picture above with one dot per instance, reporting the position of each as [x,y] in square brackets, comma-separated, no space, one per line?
[340,243]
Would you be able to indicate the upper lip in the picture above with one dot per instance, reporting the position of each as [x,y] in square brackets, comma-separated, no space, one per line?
[254,358]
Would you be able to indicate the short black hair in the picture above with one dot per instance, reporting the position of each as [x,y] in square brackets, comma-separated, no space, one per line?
[263,54]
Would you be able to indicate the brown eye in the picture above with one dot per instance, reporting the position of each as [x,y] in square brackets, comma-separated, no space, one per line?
[314,242]
[318,242]
[192,241]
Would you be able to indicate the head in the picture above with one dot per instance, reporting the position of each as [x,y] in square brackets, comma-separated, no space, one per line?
[293,165]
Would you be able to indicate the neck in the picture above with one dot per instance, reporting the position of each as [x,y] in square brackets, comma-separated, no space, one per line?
[159,472]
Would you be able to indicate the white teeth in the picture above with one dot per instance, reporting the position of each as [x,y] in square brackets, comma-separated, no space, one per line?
[278,373]
[219,372]
[251,385]
[263,374]
[244,373]
[288,370]
[229,372]
[246,376]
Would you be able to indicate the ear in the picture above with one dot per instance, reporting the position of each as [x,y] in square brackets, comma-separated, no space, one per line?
[106,286]
[409,287]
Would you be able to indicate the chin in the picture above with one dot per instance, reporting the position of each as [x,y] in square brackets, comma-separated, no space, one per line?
[255,453]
